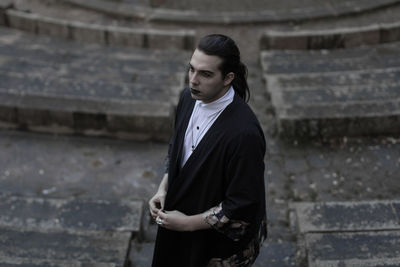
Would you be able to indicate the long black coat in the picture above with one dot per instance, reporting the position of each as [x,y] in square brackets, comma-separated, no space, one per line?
[227,166]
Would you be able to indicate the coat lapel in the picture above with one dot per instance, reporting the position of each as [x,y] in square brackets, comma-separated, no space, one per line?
[188,172]
[178,140]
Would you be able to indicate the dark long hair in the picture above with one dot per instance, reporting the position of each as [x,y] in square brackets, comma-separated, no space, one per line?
[225,48]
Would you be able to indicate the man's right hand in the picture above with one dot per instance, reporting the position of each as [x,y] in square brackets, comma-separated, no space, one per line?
[156,203]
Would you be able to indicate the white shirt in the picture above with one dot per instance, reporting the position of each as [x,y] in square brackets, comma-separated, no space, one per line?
[202,118]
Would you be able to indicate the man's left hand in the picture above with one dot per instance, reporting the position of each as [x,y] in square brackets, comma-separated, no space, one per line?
[175,220]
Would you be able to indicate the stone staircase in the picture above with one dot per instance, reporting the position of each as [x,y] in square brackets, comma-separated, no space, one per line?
[335,92]
[349,234]
[231,12]
[51,85]
[37,17]
[66,232]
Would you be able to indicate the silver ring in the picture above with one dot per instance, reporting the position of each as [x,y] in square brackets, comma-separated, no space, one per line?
[159,221]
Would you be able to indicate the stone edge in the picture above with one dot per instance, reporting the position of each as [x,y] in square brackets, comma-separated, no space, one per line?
[101,34]
[331,38]
[190,16]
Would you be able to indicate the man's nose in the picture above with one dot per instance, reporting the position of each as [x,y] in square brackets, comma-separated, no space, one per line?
[193,78]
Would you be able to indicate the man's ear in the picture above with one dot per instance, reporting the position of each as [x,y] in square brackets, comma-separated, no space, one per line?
[229,78]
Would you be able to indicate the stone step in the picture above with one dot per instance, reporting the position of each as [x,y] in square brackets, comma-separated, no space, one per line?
[335,38]
[54,232]
[276,255]
[316,94]
[331,95]
[19,44]
[277,62]
[354,249]
[367,119]
[285,56]
[50,85]
[73,107]
[347,216]
[72,215]
[228,12]
[363,233]
[33,248]
[340,78]
[124,76]
[98,33]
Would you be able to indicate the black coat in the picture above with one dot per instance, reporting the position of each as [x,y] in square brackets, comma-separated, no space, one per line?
[227,166]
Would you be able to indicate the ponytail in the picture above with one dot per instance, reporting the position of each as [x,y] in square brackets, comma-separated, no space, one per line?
[239,83]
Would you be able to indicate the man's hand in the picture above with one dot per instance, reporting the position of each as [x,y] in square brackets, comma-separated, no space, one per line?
[156,203]
[175,220]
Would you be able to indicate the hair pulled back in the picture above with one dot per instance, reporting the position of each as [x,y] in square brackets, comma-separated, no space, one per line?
[225,48]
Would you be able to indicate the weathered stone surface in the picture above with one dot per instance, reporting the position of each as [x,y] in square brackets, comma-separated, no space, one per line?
[101,34]
[335,79]
[354,249]
[346,216]
[82,32]
[125,37]
[233,13]
[22,21]
[28,248]
[276,255]
[158,39]
[4,4]
[331,38]
[73,215]
[52,27]
[88,89]
[332,93]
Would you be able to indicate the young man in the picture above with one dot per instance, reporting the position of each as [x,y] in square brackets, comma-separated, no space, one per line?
[210,205]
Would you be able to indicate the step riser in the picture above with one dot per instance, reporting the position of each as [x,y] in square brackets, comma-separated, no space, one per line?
[338,38]
[104,249]
[325,66]
[354,249]
[163,15]
[99,34]
[126,126]
[317,128]
[291,82]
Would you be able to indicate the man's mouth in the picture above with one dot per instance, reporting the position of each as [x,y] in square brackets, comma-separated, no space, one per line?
[194,91]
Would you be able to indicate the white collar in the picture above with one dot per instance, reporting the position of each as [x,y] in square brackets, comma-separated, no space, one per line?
[209,109]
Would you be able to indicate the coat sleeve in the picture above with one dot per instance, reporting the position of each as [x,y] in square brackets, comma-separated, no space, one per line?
[245,193]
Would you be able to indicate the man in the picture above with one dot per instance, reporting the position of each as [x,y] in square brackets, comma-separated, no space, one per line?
[210,205]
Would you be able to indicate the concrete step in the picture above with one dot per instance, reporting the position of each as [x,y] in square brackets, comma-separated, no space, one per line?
[334,93]
[228,12]
[33,248]
[98,33]
[58,232]
[321,61]
[276,255]
[331,95]
[339,78]
[335,38]
[72,215]
[362,28]
[50,85]
[19,44]
[354,249]
[365,233]
[347,216]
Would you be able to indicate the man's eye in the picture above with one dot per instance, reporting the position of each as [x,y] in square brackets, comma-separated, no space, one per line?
[207,74]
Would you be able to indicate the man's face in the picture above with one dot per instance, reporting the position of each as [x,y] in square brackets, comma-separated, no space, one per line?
[205,78]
